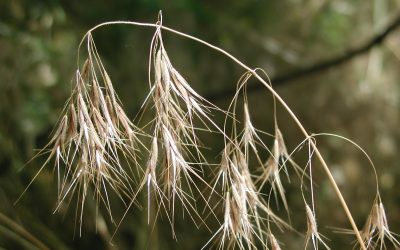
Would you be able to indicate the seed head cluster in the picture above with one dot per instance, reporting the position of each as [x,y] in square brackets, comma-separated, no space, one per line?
[98,152]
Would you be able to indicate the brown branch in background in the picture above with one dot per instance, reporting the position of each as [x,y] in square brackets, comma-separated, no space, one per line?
[347,55]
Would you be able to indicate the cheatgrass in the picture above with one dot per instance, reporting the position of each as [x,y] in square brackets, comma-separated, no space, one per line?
[96,151]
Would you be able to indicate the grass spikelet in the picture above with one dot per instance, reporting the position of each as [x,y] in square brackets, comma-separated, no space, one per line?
[90,137]
[274,243]
[281,153]
[250,140]
[271,174]
[376,229]
[245,211]
[243,205]
[180,160]
[312,230]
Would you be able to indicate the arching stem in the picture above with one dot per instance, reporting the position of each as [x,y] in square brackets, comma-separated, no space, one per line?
[277,96]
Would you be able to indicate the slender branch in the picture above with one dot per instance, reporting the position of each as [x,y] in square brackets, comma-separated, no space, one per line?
[342,58]
[277,96]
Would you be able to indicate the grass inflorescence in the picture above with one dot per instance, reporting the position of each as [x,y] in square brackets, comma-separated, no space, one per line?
[97,150]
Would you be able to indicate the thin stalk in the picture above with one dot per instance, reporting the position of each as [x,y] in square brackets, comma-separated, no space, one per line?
[22,232]
[26,244]
[277,96]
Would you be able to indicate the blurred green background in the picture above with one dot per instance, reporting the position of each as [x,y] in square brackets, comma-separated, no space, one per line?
[358,99]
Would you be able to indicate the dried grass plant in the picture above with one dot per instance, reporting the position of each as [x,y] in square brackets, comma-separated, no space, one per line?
[95,150]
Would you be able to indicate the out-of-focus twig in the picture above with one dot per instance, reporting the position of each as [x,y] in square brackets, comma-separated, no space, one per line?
[343,57]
